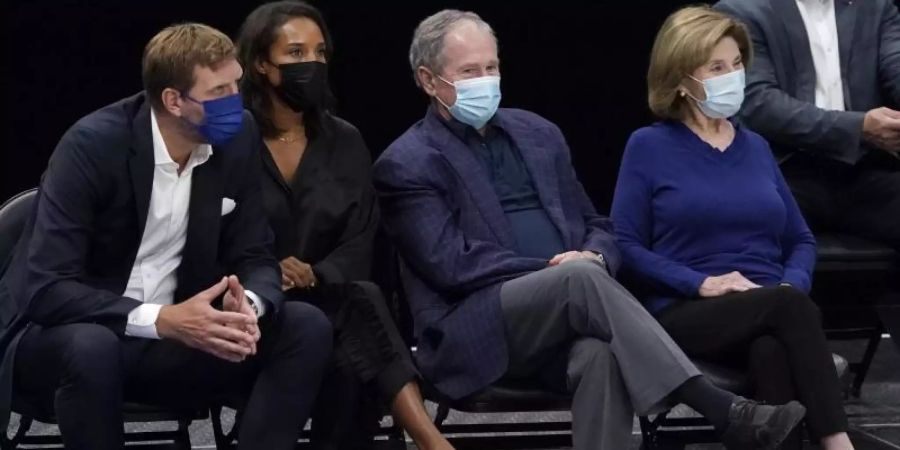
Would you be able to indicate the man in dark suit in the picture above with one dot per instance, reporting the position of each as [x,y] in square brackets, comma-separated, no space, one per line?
[824,88]
[507,266]
[147,217]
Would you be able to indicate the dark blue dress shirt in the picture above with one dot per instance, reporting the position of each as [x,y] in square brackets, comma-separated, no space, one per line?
[535,233]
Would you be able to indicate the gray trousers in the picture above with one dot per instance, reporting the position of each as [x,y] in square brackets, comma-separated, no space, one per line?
[575,328]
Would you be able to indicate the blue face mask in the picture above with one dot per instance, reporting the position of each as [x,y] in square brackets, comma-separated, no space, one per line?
[477,100]
[222,118]
[724,95]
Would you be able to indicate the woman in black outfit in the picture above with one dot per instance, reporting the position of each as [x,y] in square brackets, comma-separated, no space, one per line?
[322,207]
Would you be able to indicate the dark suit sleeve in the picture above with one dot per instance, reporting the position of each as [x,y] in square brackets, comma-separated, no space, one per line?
[422,222]
[71,191]
[599,237]
[782,118]
[351,260]
[247,242]
[889,51]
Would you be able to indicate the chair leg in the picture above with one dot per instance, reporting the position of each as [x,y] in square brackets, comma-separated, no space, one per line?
[443,411]
[182,439]
[223,440]
[648,433]
[12,443]
[868,356]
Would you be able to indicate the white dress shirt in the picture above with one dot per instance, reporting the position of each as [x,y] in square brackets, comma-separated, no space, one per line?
[821,28]
[153,277]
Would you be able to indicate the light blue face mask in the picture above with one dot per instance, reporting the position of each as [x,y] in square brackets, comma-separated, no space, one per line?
[724,94]
[477,100]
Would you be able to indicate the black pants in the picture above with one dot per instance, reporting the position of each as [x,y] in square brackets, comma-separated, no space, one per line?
[775,333]
[862,200]
[371,363]
[84,372]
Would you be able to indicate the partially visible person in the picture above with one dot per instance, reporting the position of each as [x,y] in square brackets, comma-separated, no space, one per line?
[144,272]
[318,196]
[508,267]
[707,225]
[825,91]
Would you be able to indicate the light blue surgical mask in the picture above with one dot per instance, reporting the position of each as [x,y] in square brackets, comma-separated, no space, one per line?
[724,94]
[477,100]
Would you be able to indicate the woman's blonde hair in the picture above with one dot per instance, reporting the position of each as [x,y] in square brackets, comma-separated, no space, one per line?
[684,43]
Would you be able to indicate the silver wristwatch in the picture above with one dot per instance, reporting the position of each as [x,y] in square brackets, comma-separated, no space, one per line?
[600,259]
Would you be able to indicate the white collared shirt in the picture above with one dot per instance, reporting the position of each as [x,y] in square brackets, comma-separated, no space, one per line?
[821,28]
[153,278]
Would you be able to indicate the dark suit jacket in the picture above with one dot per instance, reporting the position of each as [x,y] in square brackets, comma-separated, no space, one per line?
[77,250]
[440,209]
[781,82]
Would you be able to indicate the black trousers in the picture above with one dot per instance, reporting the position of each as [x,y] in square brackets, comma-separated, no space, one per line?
[862,200]
[84,372]
[776,334]
[371,363]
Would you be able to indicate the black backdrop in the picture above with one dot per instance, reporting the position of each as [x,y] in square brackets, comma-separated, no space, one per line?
[581,64]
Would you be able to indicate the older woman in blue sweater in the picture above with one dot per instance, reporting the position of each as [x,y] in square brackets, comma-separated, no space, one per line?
[709,230]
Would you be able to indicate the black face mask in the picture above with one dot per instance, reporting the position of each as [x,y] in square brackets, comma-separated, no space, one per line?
[304,85]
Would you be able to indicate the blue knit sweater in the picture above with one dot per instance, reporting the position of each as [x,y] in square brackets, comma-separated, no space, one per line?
[684,211]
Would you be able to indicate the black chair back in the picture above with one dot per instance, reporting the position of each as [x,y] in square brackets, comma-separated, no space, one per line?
[14,214]
[386,274]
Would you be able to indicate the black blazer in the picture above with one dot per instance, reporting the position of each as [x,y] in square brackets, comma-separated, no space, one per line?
[781,82]
[76,253]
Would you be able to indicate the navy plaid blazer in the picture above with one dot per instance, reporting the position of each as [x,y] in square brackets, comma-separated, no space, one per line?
[455,243]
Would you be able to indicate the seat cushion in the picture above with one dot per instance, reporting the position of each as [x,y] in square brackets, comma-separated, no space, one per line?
[513,396]
[518,395]
[832,247]
[134,412]
[739,383]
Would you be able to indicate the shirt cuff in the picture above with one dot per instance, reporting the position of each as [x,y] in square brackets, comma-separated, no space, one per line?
[260,304]
[142,321]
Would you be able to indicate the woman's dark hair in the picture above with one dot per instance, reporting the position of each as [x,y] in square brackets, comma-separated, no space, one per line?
[258,33]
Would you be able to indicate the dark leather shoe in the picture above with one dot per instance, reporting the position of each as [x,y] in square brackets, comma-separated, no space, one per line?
[754,426]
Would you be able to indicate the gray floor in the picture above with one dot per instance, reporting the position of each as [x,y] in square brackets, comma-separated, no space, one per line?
[874,417]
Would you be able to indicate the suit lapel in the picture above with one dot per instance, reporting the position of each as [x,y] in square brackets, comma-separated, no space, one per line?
[795,29]
[141,164]
[846,17]
[204,214]
[542,168]
[473,176]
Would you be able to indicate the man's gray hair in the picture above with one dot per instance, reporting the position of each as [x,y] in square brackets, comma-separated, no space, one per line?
[427,47]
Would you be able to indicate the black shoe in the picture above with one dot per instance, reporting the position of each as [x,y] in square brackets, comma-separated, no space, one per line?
[754,426]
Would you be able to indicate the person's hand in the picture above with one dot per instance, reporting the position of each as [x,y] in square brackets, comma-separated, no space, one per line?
[881,128]
[296,273]
[236,300]
[197,324]
[570,256]
[724,284]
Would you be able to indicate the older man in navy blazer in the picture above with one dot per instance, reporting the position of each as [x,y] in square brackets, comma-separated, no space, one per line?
[507,265]
[145,272]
